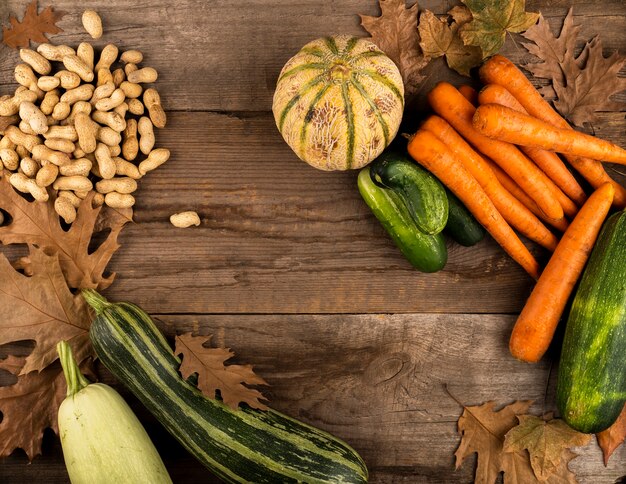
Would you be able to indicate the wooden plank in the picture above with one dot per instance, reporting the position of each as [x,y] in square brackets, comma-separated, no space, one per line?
[224,56]
[375,381]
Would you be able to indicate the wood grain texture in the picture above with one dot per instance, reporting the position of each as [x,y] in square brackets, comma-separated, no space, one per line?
[374,380]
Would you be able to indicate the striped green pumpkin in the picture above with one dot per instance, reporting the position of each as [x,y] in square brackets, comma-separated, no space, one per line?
[242,445]
[339,102]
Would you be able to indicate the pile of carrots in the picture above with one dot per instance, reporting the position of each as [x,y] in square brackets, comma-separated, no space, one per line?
[500,159]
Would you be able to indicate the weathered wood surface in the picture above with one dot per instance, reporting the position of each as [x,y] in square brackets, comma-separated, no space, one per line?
[281,244]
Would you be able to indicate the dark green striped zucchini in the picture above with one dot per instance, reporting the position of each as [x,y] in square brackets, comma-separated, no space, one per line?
[245,445]
[591,385]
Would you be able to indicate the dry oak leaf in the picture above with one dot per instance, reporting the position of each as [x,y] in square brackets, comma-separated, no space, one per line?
[38,224]
[438,38]
[208,363]
[42,308]
[583,85]
[33,26]
[611,438]
[544,441]
[30,406]
[491,20]
[395,33]
[482,431]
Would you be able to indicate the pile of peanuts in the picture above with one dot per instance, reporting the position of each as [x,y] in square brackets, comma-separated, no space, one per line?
[82,127]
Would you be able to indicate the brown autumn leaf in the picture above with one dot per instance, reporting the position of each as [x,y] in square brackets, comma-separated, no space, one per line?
[582,85]
[13,364]
[42,308]
[395,33]
[33,26]
[482,432]
[208,363]
[545,441]
[611,438]
[517,469]
[38,224]
[439,38]
[30,406]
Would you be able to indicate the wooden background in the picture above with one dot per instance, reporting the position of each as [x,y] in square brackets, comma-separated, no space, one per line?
[288,267]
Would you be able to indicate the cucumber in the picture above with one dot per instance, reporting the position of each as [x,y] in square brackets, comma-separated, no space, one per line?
[591,384]
[462,226]
[243,445]
[102,439]
[421,192]
[427,253]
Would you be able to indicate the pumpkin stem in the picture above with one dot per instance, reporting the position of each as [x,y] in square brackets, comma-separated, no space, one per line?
[96,300]
[74,378]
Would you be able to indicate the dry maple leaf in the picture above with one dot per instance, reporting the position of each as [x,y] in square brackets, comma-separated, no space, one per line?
[611,438]
[583,85]
[38,224]
[517,470]
[482,431]
[33,26]
[544,441]
[30,406]
[395,33]
[208,363]
[491,20]
[42,308]
[438,38]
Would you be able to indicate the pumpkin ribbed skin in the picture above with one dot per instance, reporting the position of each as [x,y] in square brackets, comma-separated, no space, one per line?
[339,102]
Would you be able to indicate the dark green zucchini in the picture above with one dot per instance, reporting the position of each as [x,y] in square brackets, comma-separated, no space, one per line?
[242,445]
[591,384]
[462,226]
[420,191]
[427,253]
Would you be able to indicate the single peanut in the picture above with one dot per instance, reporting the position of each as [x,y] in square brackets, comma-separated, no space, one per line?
[25,127]
[55,52]
[135,106]
[59,144]
[155,159]
[25,76]
[102,91]
[86,54]
[108,136]
[92,23]
[20,138]
[75,183]
[131,90]
[185,219]
[48,83]
[61,111]
[46,175]
[5,142]
[71,196]
[145,75]
[97,200]
[132,56]
[22,152]
[130,67]
[28,185]
[110,119]
[34,117]
[126,168]
[62,132]
[130,147]
[11,106]
[80,93]
[50,100]
[81,166]
[10,159]
[119,185]
[29,167]
[152,101]
[104,77]
[118,77]
[66,210]
[86,130]
[119,200]
[107,104]
[75,64]
[43,153]
[146,133]
[106,165]
[69,80]
[107,57]
[39,63]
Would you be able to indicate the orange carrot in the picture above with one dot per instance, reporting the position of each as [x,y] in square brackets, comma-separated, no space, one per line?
[505,124]
[513,188]
[537,322]
[448,103]
[435,156]
[499,70]
[513,211]
[549,162]
[469,93]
